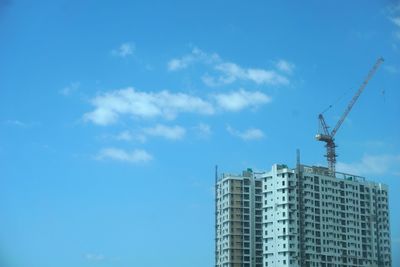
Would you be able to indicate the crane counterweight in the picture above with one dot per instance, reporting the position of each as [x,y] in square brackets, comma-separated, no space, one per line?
[323,137]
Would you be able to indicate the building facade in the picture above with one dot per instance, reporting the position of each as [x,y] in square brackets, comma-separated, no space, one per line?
[239,221]
[309,218]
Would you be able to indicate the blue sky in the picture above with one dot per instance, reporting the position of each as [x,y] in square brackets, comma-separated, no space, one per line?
[114,114]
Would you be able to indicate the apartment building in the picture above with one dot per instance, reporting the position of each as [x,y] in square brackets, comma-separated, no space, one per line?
[310,217]
[239,220]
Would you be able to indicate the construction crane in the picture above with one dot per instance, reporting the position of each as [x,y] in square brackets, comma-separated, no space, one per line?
[329,137]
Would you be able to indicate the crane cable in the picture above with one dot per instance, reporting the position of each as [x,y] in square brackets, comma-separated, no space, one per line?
[336,101]
[340,98]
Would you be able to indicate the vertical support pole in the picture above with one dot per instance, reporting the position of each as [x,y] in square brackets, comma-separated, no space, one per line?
[216,215]
[298,158]
[301,209]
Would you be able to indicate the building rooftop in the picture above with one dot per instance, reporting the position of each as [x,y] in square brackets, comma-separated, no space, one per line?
[313,170]
[326,172]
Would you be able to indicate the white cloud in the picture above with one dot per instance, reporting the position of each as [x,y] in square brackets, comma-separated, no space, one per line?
[247,135]
[168,132]
[124,50]
[94,257]
[196,55]
[394,17]
[71,88]
[229,72]
[110,106]
[238,100]
[285,66]
[17,123]
[392,69]
[270,77]
[372,165]
[396,21]
[203,130]
[124,136]
[21,124]
[211,81]
[135,156]
[176,64]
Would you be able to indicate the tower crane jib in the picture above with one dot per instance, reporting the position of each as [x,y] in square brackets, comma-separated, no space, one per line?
[328,137]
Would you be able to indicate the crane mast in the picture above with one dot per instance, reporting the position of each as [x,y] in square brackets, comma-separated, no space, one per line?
[329,137]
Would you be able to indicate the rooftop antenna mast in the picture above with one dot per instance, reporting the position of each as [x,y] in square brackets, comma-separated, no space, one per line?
[329,137]
[216,214]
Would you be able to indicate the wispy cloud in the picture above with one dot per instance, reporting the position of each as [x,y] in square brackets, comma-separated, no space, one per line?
[94,257]
[394,17]
[71,88]
[195,56]
[169,132]
[17,123]
[134,156]
[285,66]
[247,135]
[175,132]
[373,165]
[203,130]
[231,72]
[124,50]
[124,136]
[238,100]
[97,257]
[392,69]
[20,124]
[110,106]
[227,72]
[396,21]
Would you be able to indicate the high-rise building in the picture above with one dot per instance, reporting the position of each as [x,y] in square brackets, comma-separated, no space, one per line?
[310,217]
[239,220]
